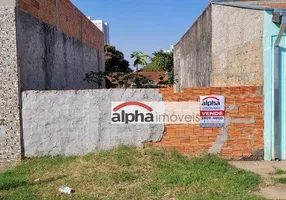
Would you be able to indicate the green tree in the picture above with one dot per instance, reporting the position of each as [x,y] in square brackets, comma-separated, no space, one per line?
[114,60]
[140,59]
[123,79]
[163,60]
[151,68]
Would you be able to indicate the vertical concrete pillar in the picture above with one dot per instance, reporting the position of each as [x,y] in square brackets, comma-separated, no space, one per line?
[10,140]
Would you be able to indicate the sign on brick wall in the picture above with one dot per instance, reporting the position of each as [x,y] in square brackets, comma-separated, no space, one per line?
[212,111]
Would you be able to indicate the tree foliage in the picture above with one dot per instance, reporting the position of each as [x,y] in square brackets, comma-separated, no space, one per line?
[162,61]
[118,68]
[123,79]
[140,59]
[114,60]
[151,68]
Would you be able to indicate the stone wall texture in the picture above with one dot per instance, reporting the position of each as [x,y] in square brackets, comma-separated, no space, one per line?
[240,138]
[50,59]
[79,122]
[192,54]
[10,144]
[237,46]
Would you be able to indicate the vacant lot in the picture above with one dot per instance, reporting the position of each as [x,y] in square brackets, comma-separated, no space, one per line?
[129,173]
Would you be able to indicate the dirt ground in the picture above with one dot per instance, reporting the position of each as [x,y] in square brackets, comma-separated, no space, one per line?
[269,189]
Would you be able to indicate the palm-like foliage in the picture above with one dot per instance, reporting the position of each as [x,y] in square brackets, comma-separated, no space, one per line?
[140,59]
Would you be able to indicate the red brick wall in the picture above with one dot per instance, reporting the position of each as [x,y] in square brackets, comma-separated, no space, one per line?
[70,19]
[244,106]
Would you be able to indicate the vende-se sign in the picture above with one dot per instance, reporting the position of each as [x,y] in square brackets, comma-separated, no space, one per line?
[212,111]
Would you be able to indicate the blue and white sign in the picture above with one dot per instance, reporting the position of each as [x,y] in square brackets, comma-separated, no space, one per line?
[212,111]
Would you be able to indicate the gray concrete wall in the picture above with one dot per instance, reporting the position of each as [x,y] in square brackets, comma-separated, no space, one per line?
[78,122]
[10,141]
[7,2]
[49,59]
[192,54]
[237,46]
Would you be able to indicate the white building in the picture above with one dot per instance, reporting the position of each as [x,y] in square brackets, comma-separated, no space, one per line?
[104,27]
[170,50]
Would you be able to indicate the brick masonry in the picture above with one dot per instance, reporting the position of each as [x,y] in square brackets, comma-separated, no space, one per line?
[53,60]
[66,17]
[57,45]
[10,144]
[242,136]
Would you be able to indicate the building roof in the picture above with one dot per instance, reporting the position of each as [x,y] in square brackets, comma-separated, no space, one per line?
[258,4]
[155,77]
[274,5]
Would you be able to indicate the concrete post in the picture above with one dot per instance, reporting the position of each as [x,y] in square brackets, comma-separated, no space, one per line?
[10,140]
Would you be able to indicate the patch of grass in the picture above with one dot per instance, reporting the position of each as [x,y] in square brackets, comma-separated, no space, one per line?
[278,171]
[279,180]
[126,176]
[129,173]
